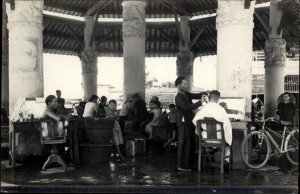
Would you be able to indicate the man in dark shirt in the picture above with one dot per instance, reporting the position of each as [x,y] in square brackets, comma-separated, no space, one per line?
[140,114]
[286,110]
[101,108]
[60,103]
[186,128]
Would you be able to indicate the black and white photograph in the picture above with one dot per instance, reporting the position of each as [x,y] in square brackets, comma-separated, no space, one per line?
[150,96]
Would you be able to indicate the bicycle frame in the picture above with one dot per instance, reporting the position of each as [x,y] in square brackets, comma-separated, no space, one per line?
[265,130]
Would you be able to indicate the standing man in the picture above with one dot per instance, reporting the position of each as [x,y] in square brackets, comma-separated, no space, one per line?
[186,129]
[60,102]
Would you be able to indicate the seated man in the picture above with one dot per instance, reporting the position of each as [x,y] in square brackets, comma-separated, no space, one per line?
[214,110]
[90,108]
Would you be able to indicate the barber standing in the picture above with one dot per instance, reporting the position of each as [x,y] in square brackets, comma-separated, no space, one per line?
[186,129]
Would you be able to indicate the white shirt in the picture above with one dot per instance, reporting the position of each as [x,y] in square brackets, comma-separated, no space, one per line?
[90,109]
[217,112]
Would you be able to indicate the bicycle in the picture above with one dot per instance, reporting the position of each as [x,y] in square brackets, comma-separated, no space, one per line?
[256,147]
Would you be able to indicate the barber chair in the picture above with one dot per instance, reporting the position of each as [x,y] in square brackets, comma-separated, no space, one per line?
[212,141]
[53,133]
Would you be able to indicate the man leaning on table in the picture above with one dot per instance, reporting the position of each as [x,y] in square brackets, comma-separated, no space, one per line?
[214,110]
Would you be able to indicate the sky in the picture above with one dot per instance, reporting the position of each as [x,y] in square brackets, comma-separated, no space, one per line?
[64,72]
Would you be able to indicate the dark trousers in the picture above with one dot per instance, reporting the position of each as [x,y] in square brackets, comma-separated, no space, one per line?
[186,146]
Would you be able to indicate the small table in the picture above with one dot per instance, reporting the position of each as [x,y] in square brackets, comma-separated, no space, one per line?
[34,127]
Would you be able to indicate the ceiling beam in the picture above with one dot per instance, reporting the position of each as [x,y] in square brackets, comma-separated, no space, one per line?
[92,38]
[79,40]
[178,8]
[154,25]
[265,25]
[196,37]
[98,7]
[104,38]
[179,29]
[167,36]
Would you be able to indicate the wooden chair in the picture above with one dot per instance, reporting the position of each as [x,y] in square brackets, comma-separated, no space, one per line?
[99,134]
[53,133]
[212,140]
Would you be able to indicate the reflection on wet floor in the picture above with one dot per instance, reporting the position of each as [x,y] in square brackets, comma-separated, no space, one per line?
[156,170]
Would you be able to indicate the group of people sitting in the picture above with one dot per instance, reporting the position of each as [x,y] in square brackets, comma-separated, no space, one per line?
[181,117]
[135,111]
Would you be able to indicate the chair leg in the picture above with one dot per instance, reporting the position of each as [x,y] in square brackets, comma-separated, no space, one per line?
[199,159]
[60,161]
[47,163]
[222,160]
[231,158]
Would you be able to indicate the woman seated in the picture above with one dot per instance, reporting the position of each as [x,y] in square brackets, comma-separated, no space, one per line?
[111,112]
[286,110]
[157,115]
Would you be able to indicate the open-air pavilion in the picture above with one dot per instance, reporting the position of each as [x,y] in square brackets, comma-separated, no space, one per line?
[230,29]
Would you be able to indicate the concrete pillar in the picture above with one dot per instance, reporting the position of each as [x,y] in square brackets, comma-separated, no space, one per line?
[274,62]
[234,50]
[4,67]
[185,56]
[89,61]
[134,35]
[25,25]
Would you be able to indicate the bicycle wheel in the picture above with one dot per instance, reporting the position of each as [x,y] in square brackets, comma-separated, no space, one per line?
[255,149]
[292,143]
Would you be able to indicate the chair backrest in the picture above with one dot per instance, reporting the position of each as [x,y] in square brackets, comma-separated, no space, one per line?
[100,131]
[211,130]
[52,132]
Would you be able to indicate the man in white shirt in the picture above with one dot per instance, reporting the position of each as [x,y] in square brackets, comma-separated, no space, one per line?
[214,110]
[91,107]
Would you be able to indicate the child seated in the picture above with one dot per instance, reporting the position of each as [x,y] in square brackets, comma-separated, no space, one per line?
[157,114]
[173,126]
[111,112]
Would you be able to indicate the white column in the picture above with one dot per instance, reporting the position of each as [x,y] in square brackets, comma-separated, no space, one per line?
[25,25]
[134,35]
[89,61]
[185,56]
[234,50]
[274,62]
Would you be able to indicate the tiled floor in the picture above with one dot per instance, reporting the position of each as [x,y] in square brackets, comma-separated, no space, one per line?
[156,173]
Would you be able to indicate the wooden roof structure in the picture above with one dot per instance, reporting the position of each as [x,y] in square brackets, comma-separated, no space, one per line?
[65,35]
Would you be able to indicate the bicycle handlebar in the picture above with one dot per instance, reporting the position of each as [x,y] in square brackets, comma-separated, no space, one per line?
[265,120]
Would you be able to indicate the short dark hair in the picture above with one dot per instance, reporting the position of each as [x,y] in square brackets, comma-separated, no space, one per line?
[155,98]
[179,80]
[172,106]
[103,99]
[93,97]
[136,96]
[156,102]
[58,91]
[112,101]
[49,99]
[214,93]
[289,94]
